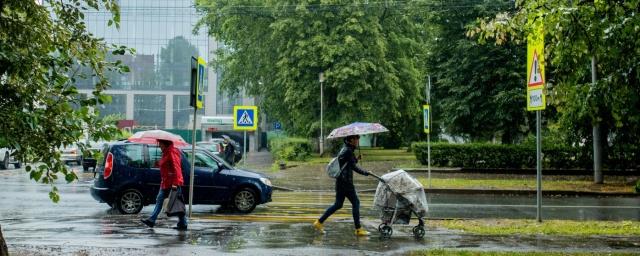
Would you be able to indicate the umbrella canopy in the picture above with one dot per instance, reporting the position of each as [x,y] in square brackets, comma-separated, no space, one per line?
[357,129]
[152,137]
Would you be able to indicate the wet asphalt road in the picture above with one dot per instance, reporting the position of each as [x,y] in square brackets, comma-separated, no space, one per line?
[33,225]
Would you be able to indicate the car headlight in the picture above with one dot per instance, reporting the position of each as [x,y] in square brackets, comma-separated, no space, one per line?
[266,181]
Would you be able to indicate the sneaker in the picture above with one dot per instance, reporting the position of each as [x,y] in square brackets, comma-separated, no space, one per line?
[147,222]
[362,232]
[318,226]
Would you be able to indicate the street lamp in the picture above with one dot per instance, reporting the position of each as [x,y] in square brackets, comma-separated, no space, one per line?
[321,78]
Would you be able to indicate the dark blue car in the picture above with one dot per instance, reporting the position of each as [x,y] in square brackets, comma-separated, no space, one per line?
[128,179]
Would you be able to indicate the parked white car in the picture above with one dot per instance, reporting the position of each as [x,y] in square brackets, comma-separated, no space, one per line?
[71,153]
[7,159]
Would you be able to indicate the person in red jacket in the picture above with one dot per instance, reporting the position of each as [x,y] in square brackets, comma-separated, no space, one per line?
[171,178]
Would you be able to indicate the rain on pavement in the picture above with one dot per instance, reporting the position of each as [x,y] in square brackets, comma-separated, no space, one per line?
[33,225]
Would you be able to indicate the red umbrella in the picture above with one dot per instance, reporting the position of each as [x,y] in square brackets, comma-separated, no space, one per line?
[152,137]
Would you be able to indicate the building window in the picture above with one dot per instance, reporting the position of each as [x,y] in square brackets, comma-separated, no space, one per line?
[182,112]
[161,32]
[118,106]
[149,111]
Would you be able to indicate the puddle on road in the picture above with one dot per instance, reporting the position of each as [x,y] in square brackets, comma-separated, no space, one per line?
[279,227]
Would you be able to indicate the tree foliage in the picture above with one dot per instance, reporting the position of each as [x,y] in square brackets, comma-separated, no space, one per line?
[44,49]
[575,31]
[478,89]
[372,56]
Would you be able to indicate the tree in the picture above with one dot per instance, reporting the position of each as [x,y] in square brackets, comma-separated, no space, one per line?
[372,56]
[175,63]
[43,49]
[478,90]
[577,33]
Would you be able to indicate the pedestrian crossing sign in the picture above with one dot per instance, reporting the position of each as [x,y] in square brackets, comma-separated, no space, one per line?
[245,118]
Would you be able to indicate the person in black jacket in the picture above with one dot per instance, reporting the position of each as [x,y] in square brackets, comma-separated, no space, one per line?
[229,150]
[344,185]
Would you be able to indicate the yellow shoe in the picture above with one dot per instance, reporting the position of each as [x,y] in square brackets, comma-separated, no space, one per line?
[318,226]
[362,232]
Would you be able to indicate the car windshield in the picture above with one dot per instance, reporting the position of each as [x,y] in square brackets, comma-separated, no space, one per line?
[208,159]
[203,160]
[209,146]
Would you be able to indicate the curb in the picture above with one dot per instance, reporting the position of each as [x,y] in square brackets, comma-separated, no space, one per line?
[528,171]
[530,192]
[278,188]
[490,192]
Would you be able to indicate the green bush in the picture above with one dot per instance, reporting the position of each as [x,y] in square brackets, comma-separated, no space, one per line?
[638,187]
[486,155]
[286,148]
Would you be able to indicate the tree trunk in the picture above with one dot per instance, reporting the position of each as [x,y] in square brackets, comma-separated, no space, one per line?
[4,251]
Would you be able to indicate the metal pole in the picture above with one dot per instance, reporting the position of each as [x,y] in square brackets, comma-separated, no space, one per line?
[597,154]
[539,169]
[429,134]
[193,159]
[321,119]
[244,150]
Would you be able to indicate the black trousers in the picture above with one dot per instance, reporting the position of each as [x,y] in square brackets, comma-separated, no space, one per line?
[341,194]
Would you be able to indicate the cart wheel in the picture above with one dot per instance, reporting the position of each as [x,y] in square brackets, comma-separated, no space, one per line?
[418,231]
[386,231]
[380,227]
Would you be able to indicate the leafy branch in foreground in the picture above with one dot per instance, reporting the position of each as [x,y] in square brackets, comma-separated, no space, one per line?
[44,50]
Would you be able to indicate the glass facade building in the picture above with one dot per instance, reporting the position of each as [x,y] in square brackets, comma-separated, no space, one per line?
[155,93]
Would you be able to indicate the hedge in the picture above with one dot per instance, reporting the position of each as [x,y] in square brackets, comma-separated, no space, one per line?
[287,148]
[485,155]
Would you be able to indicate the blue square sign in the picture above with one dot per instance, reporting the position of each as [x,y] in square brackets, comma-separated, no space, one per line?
[245,118]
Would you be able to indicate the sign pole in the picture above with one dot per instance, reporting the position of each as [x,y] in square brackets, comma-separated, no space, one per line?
[321,78]
[193,159]
[196,101]
[429,133]
[536,98]
[244,150]
[538,168]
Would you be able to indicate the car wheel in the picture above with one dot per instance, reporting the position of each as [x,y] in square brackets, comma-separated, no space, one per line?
[5,163]
[85,168]
[245,200]
[18,165]
[130,202]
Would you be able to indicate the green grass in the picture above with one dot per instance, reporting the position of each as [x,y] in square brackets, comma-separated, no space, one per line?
[526,184]
[443,252]
[550,227]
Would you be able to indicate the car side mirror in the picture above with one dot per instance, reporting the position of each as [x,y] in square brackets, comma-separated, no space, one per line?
[220,167]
